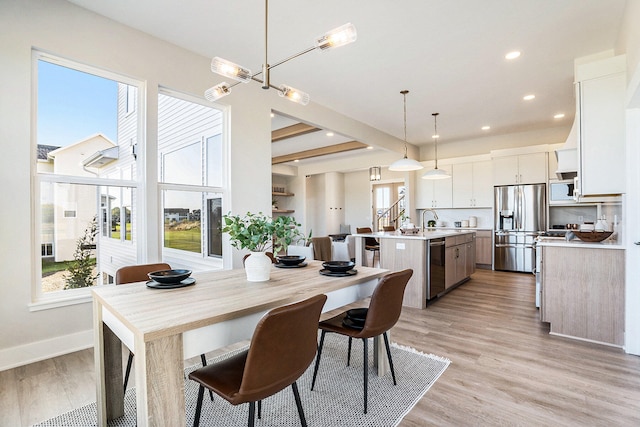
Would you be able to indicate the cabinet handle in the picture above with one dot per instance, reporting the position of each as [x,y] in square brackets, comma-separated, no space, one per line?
[636,243]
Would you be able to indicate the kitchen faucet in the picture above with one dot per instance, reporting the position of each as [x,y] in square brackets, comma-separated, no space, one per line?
[435,216]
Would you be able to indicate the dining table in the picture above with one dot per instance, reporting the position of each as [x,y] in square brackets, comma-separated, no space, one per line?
[164,327]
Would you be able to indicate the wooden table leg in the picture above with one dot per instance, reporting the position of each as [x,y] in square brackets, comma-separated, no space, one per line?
[160,381]
[380,360]
[108,363]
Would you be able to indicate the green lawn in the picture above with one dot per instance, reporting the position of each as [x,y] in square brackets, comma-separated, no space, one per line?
[186,240]
[50,267]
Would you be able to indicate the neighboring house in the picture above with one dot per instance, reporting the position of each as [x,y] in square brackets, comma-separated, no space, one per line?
[175,214]
[74,206]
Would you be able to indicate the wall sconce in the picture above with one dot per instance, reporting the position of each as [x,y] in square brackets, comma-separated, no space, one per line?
[374,173]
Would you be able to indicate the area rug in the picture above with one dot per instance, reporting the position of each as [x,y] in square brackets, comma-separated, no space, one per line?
[336,400]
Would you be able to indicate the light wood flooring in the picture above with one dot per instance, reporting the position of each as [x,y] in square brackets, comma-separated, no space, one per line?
[506,369]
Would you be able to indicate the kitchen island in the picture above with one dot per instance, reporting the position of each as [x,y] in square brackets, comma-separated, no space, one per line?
[440,258]
[582,290]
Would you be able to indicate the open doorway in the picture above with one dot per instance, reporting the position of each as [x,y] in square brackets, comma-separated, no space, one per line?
[388,205]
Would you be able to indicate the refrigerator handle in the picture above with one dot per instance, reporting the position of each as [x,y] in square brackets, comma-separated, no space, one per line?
[522,208]
[518,224]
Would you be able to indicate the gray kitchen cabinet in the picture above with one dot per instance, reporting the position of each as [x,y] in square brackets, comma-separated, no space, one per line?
[484,248]
[583,293]
[459,254]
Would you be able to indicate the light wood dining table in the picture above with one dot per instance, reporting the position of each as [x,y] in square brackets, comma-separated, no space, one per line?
[163,327]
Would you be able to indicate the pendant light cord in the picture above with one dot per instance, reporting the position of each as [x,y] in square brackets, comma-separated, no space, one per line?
[404,94]
[435,135]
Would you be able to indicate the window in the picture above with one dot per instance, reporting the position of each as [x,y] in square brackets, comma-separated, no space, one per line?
[86,207]
[85,174]
[191,157]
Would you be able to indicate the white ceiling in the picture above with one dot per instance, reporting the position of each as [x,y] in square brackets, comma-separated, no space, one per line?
[448,53]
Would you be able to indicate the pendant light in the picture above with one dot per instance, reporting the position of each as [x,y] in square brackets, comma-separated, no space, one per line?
[374,173]
[337,37]
[405,164]
[436,173]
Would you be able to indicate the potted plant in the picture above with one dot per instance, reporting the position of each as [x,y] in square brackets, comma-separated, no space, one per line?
[257,233]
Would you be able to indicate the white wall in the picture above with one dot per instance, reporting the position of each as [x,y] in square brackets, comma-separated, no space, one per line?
[357,203]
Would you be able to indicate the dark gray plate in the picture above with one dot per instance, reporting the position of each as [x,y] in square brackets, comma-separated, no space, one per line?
[279,265]
[325,272]
[186,282]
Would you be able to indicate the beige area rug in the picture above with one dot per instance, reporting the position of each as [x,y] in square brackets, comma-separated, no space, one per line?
[336,401]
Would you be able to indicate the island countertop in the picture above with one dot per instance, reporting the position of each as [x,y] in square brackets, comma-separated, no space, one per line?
[576,243]
[430,233]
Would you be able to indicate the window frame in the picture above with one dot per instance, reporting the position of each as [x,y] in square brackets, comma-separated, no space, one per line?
[44,300]
[202,188]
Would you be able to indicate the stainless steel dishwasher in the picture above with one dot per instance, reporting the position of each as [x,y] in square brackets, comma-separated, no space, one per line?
[435,283]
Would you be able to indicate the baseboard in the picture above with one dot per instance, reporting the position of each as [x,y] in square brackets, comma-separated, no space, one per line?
[41,350]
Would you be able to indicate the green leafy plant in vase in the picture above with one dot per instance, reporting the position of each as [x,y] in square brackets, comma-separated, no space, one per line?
[258,233]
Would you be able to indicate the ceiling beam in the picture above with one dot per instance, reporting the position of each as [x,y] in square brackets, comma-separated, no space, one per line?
[292,131]
[316,152]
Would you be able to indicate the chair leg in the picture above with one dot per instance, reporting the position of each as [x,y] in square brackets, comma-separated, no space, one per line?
[128,371]
[386,344]
[365,364]
[349,352]
[315,369]
[296,394]
[252,414]
[196,418]
[259,409]
[203,359]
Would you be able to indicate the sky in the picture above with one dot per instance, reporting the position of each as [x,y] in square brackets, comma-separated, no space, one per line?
[73,105]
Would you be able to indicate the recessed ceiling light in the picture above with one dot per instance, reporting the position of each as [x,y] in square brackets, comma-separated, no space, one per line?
[512,55]
[559,116]
[296,160]
[486,127]
[369,148]
[272,115]
[329,133]
[435,136]
[528,97]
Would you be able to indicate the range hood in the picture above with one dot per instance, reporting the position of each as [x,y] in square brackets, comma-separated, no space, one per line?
[567,156]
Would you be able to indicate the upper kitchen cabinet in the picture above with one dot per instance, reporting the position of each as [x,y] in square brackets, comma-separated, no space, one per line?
[472,185]
[601,143]
[520,169]
[433,193]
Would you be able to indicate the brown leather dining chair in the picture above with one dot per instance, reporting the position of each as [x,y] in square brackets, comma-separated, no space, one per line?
[138,273]
[383,313]
[370,244]
[283,346]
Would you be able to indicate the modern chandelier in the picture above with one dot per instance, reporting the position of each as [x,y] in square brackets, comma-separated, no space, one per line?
[436,173]
[337,37]
[405,164]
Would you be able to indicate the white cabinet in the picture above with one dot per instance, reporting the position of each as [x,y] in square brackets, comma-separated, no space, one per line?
[472,185]
[521,169]
[601,144]
[434,193]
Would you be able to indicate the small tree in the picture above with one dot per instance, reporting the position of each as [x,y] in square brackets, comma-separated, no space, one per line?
[81,269]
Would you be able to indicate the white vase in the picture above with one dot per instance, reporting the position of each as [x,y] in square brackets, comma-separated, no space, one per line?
[257,266]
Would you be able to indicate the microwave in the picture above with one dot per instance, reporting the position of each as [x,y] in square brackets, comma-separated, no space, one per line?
[561,192]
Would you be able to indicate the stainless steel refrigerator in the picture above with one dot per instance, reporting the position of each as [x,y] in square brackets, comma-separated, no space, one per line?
[520,215]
